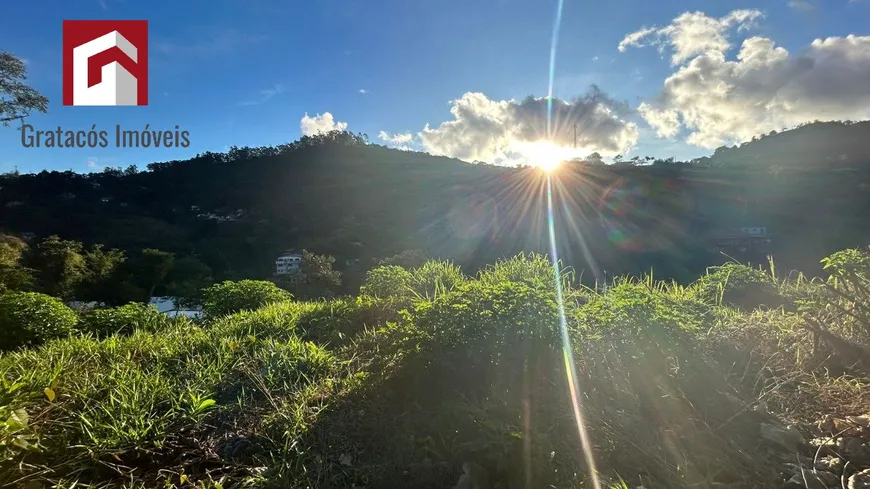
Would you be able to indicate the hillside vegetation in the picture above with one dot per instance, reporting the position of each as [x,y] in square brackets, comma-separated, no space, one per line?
[335,194]
[432,378]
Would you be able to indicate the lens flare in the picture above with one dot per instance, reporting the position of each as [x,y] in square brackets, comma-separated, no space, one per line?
[567,351]
[544,154]
[573,383]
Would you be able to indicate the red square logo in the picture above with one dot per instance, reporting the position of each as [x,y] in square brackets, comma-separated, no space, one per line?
[105,62]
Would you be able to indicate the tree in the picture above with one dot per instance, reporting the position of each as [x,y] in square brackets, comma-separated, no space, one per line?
[595,159]
[150,269]
[60,266]
[406,259]
[17,100]
[316,278]
[186,280]
[13,276]
[103,275]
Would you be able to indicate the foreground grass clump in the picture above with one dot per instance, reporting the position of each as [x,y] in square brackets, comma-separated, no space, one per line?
[129,406]
[740,286]
[123,320]
[429,373]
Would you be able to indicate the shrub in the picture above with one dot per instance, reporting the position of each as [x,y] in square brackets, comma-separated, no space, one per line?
[395,282]
[844,299]
[739,286]
[229,297]
[533,269]
[435,277]
[123,320]
[276,320]
[485,333]
[30,318]
[386,282]
[631,309]
[339,319]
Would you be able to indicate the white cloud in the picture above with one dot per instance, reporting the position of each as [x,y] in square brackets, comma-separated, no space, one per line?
[510,131]
[363,91]
[395,139]
[319,124]
[692,33]
[666,122]
[94,163]
[766,88]
[635,38]
[801,5]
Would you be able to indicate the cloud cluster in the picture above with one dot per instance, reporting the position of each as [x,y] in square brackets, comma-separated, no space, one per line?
[500,131]
[692,33]
[722,101]
[398,140]
[320,123]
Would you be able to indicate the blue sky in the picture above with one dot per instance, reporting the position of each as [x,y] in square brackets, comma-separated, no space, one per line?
[244,72]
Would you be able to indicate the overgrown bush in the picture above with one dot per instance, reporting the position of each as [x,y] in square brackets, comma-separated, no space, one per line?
[387,281]
[435,277]
[740,286]
[428,371]
[123,320]
[333,322]
[229,297]
[276,320]
[426,281]
[483,334]
[146,400]
[632,307]
[30,318]
[848,288]
[533,269]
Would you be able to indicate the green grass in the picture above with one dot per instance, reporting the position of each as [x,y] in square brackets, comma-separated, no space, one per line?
[429,369]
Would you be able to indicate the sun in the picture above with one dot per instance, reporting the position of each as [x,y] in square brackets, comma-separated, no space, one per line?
[545,155]
[548,165]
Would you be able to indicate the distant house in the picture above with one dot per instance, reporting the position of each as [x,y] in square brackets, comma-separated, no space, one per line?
[288,263]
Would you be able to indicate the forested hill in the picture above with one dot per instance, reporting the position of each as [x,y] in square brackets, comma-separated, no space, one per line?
[815,146]
[335,194]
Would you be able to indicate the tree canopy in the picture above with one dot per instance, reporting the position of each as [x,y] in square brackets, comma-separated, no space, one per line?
[17,100]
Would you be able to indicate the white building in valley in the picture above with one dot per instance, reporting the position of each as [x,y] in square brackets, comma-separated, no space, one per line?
[288,263]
